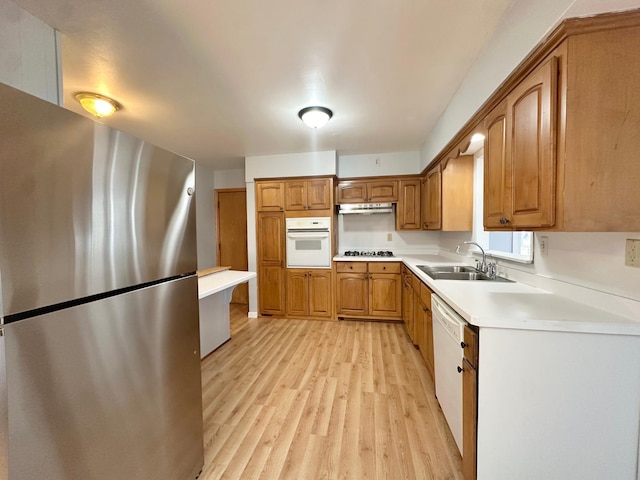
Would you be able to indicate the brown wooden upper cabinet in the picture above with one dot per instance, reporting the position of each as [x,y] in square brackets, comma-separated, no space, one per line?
[308,194]
[432,199]
[362,191]
[457,194]
[270,196]
[520,154]
[408,208]
[562,137]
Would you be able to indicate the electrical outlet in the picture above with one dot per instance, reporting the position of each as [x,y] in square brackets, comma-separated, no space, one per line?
[632,253]
[544,246]
[378,161]
[389,237]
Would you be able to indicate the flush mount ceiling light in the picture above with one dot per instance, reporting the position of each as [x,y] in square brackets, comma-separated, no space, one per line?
[315,117]
[97,105]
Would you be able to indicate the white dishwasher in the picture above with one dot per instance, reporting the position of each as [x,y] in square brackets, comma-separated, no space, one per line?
[448,333]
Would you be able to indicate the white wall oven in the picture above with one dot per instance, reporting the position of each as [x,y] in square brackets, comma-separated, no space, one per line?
[309,242]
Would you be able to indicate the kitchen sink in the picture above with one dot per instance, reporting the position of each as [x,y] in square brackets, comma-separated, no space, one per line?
[455,272]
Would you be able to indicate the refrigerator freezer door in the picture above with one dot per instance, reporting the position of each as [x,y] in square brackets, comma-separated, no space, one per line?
[84,208]
[109,389]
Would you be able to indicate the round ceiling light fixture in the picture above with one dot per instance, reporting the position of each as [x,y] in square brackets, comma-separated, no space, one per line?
[96,104]
[315,117]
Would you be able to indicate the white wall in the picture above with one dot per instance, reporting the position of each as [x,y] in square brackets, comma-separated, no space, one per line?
[522,27]
[28,54]
[378,164]
[372,232]
[229,178]
[205,216]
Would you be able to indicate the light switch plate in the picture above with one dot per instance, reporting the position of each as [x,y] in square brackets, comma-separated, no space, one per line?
[632,253]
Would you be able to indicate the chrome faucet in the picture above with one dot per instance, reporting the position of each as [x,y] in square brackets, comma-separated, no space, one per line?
[482,266]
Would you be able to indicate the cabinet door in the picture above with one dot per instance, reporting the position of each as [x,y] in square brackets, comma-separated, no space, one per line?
[271,292]
[385,295]
[457,194]
[497,171]
[407,309]
[297,292]
[271,238]
[352,192]
[408,210]
[432,211]
[295,195]
[382,191]
[320,299]
[427,325]
[531,127]
[352,293]
[269,196]
[469,420]
[319,194]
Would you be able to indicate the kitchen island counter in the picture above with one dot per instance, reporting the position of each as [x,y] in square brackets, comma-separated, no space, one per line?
[214,293]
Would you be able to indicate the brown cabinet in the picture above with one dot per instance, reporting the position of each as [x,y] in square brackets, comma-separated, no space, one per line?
[270,233]
[470,403]
[408,208]
[313,194]
[457,194]
[369,289]
[424,317]
[269,196]
[309,293]
[520,155]
[431,200]
[363,191]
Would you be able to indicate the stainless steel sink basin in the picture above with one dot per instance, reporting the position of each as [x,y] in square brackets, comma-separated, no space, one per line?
[447,268]
[455,272]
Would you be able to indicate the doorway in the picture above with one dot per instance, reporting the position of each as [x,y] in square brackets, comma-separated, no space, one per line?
[231,235]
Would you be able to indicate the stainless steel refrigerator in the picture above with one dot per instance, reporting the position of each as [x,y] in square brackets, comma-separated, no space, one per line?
[99,341]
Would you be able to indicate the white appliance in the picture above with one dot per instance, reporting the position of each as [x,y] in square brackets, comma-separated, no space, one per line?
[309,242]
[448,333]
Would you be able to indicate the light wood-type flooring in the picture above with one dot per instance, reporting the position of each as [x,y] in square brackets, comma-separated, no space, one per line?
[303,399]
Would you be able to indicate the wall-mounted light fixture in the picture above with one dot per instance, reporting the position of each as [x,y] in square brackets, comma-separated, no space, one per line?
[96,104]
[315,117]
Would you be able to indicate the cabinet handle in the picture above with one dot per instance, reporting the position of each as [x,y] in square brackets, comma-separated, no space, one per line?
[504,221]
[464,345]
[351,267]
[425,309]
[460,369]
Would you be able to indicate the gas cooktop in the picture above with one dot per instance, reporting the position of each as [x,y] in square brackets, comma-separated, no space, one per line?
[368,253]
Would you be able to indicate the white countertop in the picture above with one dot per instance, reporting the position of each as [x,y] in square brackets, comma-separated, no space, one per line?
[219,281]
[512,305]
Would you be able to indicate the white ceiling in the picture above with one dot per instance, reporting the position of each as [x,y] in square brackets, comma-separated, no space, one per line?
[216,80]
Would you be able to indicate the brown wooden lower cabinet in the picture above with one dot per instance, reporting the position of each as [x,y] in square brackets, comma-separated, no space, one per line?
[470,403]
[425,340]
[309,293]
[369,289]
[272,292]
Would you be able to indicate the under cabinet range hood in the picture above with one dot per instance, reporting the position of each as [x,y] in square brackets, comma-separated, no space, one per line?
[364,208]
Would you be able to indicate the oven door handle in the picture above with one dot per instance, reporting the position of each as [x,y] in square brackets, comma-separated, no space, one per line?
[308,235]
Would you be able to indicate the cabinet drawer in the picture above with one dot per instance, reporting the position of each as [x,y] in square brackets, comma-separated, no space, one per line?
[351,267]
[384,267]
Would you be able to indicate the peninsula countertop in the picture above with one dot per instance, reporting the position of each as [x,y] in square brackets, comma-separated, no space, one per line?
[219,281]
